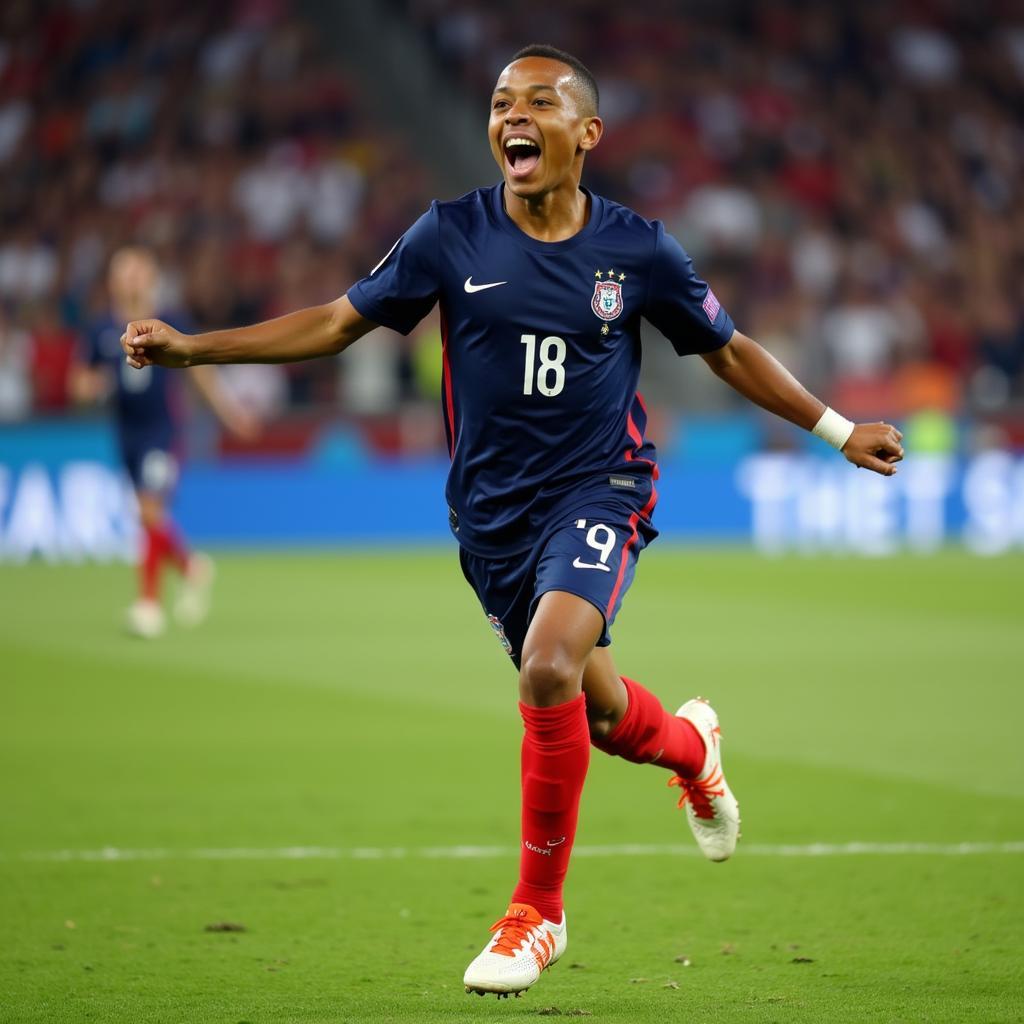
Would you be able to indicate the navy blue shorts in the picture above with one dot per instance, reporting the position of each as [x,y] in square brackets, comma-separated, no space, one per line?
[592,554]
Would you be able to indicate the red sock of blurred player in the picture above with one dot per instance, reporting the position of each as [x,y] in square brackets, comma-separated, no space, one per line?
[556,753]
[149,565]
[648,734]
[174,548]
[159,544]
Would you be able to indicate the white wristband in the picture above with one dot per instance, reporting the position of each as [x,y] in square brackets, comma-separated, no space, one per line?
[833,428]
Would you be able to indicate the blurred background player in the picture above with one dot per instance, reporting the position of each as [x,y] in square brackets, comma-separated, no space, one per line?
[148,409]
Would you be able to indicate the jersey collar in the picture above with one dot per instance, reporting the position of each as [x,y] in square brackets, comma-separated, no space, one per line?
[508,226]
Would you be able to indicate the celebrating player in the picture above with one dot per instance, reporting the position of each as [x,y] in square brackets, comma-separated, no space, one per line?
[146,410]
[542,286]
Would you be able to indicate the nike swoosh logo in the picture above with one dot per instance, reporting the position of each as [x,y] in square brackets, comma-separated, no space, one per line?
[470,287]
[577,564]
[556,842]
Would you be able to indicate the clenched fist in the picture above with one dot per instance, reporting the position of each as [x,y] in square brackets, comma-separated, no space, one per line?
[875,446]
[152,342]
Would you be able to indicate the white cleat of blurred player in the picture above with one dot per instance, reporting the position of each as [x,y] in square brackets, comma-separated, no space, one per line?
[523,947]
[192,605]
[711,809]
[145,619]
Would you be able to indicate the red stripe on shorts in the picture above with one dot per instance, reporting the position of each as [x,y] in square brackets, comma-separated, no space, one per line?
[623,560]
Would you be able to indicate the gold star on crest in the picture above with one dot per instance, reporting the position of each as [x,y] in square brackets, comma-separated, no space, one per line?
[611,273]
[622,277]
[597,274]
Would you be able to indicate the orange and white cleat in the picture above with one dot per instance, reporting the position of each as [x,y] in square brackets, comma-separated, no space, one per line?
[523,947]
[711,809]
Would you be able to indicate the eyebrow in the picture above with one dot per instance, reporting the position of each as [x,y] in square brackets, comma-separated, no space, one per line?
[529,88]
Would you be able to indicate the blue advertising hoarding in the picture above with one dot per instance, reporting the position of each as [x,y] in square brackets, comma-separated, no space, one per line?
[64,497]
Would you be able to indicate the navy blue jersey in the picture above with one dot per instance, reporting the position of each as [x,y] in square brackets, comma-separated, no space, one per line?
[146,401]
[541,354]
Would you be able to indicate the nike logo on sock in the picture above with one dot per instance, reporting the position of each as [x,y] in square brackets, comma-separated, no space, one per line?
[470,287]
[556,842]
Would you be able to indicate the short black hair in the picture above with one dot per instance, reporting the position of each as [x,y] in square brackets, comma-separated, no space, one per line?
[587,82]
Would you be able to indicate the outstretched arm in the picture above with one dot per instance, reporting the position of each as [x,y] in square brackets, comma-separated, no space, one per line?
[759,376]
[88,384]
[224,406]
[305,334]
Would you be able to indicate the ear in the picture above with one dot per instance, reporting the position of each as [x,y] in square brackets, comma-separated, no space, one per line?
[593,129]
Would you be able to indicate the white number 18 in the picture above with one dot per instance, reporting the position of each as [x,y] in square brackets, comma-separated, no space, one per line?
[552,362]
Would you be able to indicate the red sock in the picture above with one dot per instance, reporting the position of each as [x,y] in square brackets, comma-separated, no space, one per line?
[556,753]
[149,565]
[648,734]
[174,549]
[159,543]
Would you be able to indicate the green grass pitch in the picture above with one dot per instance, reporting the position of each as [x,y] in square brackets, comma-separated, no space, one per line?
[359,703]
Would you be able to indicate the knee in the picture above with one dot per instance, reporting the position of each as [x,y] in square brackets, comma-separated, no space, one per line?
[601,722]
[549,677]
[151,511]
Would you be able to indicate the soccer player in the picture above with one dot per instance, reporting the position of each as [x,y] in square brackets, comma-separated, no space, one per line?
[542,286]
[146,407]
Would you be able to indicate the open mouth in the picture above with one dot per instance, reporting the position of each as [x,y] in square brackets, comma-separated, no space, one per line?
[522,155]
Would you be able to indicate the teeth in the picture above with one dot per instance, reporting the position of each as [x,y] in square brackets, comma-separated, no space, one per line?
[509,143]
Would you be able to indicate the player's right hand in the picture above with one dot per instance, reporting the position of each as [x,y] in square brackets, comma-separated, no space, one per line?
[152,342]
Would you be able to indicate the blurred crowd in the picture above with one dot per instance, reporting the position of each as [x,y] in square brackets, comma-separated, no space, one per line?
[850,176]
[222,136]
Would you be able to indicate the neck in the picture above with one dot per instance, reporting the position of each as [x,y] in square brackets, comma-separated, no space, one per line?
[552,216]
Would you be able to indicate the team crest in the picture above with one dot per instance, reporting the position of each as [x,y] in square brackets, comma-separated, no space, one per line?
[499,632]
[607,300]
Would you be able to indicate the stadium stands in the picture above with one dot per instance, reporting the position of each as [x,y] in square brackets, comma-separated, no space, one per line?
[222,136]
[849,176]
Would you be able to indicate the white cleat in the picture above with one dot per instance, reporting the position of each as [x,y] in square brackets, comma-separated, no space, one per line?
[145,619]
[711,809]
[523,947]
[193,602]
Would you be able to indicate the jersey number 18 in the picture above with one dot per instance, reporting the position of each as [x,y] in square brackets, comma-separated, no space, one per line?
[550,374]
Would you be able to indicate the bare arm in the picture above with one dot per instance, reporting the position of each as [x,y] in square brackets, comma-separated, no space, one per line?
[305,334]
[759,376]
[224,406]
[88,384]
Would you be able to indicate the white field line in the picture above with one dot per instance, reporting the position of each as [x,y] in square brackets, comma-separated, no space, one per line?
[111,854]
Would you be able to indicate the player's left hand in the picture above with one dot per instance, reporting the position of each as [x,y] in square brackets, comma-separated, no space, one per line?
[875,446]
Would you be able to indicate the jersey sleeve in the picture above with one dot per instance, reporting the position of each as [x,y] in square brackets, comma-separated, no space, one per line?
[680,304]
[402,289]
